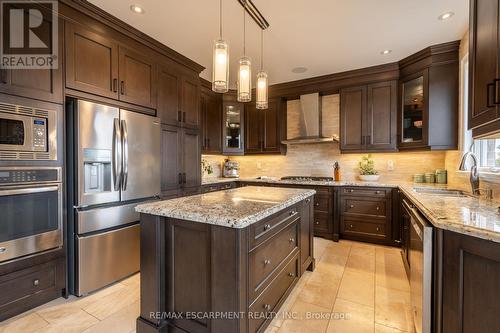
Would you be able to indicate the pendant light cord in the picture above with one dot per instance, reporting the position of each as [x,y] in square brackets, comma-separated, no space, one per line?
[220,19]
[261,49]
[244,31]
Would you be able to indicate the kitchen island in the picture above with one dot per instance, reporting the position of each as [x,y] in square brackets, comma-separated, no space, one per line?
[223,261]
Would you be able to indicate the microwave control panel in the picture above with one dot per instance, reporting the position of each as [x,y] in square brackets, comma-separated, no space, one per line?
[39,133]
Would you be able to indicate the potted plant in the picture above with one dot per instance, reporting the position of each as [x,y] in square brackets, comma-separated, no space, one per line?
[367,170]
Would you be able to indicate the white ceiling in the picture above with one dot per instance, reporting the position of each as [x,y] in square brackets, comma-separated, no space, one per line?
[325,36]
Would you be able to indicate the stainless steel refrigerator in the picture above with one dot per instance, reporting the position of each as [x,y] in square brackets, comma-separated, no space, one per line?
[115,165]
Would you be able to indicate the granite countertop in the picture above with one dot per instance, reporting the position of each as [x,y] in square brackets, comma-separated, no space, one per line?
[236,208]
[466,214]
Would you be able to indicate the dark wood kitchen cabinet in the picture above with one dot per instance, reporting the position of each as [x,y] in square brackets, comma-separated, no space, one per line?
[366,214]
[263,128]
[233,125]
[98,64]
[368,117]
[211,115]
[484,69]
[169,96]
[40,84]
[466,283]
[428,106]
[190,101]
[137,78]
[180,161]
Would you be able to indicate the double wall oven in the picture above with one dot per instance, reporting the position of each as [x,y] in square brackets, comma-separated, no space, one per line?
[31,191]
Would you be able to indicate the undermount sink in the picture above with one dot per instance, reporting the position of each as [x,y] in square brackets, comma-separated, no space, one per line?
[441,192]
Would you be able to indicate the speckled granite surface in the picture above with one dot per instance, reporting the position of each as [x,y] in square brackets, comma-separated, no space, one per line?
[236,208]
[296,182]
[465,215]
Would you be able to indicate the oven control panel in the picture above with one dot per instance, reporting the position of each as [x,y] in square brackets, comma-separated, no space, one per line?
[39,133]
[20,176]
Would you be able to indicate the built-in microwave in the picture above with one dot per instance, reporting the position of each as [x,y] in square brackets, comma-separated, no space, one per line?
[27,133]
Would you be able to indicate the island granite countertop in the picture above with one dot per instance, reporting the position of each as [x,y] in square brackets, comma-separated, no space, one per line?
[236,208]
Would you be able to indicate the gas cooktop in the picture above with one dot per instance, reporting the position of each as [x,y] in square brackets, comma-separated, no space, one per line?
[307,178]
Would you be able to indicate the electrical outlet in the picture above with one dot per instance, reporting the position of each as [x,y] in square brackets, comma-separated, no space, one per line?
[390,165]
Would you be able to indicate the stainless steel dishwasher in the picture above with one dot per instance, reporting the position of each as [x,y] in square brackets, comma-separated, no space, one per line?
[420,269]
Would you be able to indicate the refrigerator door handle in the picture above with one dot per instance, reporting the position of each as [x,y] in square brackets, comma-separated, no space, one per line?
[125,154]
[117,155]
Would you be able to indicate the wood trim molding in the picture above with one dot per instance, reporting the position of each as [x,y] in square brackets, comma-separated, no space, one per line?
[429,52]
[100,15]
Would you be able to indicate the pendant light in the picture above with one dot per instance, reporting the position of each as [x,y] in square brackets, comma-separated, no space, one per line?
[220,68]
[244,71]
[262,97]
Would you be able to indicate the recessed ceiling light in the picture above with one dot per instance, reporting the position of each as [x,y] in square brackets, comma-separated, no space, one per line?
[445,16]
[137,9]
[384,52]
[298,70]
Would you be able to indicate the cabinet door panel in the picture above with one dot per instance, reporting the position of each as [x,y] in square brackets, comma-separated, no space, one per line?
[137,79]
[191,158]
[168,96]
[91,62]
[212,129]
[253,125]
[381,116]
[352,111]
[271,136]
[190,102]
[483,61]
[171,158]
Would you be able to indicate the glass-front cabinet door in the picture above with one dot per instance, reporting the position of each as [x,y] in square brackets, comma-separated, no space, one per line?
[233,128]
[413,112]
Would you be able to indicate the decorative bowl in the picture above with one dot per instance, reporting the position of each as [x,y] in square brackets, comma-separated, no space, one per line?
[369,178]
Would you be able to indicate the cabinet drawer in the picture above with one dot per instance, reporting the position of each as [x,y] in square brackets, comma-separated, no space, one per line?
[322,203]
[227,186]
[364,207]
[367,191]
[22,284]
[322,221]
[266,304]
[209,188]
[269,255]
[261,231]
[363,228]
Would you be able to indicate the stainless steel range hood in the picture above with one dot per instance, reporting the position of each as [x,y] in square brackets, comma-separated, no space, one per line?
[310,122]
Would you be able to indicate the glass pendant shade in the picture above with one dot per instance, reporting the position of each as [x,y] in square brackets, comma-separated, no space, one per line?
[261,91]
[245,80]
[220,69]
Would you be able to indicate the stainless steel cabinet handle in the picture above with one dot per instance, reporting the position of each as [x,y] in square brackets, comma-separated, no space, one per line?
[292,240]
[378,208]
[122,87]
[291,274]
[489,87]
[267,262]
[316,204]
[351,226]
[317,222]
[36,282]
[351,206]
[308,200]
[496,98]
[377,192]
[125,154]
[378,229]
[115,85]
[292,212]
[267,227]
[117,155]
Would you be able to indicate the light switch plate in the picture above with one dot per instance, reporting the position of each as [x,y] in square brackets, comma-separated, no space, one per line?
[390,165]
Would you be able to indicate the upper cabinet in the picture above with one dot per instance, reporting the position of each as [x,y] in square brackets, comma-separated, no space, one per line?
[211,115]
[428,104]
[40,84]
[263,128]
[232,126]
[368,117]
[97,64]
[484,69]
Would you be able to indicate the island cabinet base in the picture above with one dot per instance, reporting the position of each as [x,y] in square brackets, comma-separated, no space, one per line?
[199,277]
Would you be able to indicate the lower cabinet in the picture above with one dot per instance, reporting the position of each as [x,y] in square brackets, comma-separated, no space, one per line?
[218,187]
[366,214]
[467,286]
[34,284]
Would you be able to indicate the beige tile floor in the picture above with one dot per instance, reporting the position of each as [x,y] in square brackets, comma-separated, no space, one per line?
[356,287]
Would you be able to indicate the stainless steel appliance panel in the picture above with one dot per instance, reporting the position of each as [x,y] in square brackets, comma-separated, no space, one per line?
[99,154]
[107,257]
[420,272]
[141,155]
[33,222]
[106,217]
[27,133]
